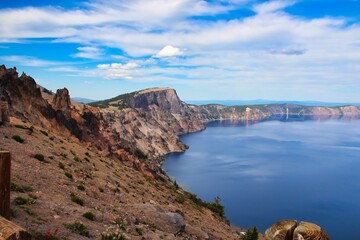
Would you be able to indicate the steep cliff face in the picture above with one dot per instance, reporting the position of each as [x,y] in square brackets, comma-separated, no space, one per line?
[22,97]
[163,98]
[150,123]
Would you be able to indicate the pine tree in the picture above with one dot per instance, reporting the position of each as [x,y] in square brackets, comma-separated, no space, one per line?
[251,234]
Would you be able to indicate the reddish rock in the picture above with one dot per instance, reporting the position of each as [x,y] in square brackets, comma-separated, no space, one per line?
[61,100]
[4,112]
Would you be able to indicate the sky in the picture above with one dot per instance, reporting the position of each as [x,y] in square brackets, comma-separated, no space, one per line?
[214,49]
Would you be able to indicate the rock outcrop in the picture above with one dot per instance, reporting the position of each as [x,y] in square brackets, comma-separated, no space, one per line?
[21,98]
[148,121]
[289,230]
[163,98]
[171,222]
[61,100]
[4,112]
[281,230]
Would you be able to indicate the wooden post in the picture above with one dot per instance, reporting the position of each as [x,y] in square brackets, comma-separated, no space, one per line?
[5,166]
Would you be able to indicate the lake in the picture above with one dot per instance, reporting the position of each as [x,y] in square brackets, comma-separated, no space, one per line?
[275,170]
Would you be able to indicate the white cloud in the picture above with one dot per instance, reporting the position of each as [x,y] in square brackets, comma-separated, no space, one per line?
[27,61]
[89,52]
[288,51]
[169,51]
[303,52]
[64,69]
[117,70]
[272,6]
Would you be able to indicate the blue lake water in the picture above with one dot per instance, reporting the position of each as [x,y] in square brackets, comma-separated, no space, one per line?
[275,170]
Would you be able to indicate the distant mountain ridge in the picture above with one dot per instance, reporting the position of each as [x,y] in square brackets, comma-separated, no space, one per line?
[83,100]
[264,101]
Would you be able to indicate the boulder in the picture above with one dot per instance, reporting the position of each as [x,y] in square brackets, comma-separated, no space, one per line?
[309,231]
[170,222]
[282,230]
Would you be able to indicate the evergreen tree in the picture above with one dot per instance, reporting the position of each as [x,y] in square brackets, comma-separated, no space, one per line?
[251,234]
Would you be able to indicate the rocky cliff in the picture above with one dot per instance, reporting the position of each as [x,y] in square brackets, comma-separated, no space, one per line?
[21,98]
[263,112]
[163,98]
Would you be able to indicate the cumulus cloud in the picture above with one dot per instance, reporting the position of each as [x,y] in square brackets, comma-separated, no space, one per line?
[117,70]
[89,52]
[169,51]
[232,51]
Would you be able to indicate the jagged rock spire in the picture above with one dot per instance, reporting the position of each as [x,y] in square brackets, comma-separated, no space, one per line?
[61,100]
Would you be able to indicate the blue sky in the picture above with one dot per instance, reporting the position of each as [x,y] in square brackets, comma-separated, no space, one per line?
[226,50]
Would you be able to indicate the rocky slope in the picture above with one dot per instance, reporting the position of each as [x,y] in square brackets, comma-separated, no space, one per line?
[75,168]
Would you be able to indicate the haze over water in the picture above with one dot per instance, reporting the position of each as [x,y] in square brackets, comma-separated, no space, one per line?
[275,170]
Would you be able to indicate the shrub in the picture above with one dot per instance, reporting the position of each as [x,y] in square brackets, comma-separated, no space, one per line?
[78,228]
[18,138]
[180,198]
[24,201]
[77,159]
[28,210]
[68,175]
[139,231]
[61,165]
[20,201]
[76,199]
[39,157]
[64,155]
[31,129]
[20,188]
[101,189]
[13,212]
[139,154]
[89,215]
[176,185]
[81,187]
[216,207]
[43,132]
[251,234]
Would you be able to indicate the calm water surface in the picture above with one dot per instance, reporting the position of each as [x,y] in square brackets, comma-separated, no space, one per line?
[274,170]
